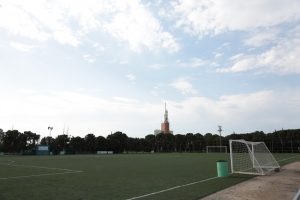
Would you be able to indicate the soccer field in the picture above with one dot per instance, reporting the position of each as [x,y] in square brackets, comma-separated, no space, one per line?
[128,176]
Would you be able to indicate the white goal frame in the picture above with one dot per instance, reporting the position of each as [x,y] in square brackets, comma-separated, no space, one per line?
[248,157]
[220,147]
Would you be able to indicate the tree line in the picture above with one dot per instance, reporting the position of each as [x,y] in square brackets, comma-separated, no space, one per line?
[13,141]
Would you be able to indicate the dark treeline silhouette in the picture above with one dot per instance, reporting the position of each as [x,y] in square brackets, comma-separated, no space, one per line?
[13,141]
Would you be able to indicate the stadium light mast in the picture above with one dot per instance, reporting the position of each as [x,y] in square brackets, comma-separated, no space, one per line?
[50,128]
[220,131]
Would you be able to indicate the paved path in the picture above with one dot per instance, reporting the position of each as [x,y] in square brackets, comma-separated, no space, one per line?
[278,186]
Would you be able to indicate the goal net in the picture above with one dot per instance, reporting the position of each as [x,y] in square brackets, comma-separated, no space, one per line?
[216,149]
[251,158]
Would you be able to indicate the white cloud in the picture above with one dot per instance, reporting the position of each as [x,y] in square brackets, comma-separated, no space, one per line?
[243,63]
[83,113]
[131,77]
[20,23]
[64,35]
[68,22]
[282,58]
[37,20]
[218,55]
[262,38]
[193,63]
[157,91]
[262,110]
[98,47]
[22,47]
[157,66]
[125,100]
[236,56]
[184,86]
[136,25]
[123,62]
[210,17]
[89,58]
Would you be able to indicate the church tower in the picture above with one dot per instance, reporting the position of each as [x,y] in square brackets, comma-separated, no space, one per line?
[165,126]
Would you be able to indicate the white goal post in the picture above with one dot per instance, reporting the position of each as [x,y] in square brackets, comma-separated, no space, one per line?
[216,149]
[251,158]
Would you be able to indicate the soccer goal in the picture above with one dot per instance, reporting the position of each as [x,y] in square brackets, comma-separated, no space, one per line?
[251,158]
[216,149]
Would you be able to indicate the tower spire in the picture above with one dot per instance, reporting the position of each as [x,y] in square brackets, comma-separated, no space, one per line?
[166,113]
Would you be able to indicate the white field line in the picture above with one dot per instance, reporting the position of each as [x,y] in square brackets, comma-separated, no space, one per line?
[67,171]
[172,188]
[179,186]
[8,162]
[42,167]
[36,175]
[287,158]
[297,196]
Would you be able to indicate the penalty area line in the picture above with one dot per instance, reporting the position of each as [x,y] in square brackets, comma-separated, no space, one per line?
[172,188]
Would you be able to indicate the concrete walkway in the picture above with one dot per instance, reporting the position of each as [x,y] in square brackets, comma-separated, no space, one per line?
[277,186]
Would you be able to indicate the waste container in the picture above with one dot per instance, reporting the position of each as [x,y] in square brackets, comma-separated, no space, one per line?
[222,168]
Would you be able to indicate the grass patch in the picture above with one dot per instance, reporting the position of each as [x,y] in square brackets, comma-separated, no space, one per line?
[116,176]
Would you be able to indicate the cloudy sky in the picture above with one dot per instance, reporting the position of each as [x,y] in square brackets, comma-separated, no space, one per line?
[100,66]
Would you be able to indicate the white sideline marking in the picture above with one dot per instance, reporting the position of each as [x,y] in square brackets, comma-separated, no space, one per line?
[29,176]
[179,186]
[172,188]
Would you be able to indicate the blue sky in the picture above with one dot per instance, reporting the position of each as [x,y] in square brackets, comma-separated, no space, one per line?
[101,66]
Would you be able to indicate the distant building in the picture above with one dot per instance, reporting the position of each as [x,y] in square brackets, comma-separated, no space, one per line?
[157,131]
[165,126]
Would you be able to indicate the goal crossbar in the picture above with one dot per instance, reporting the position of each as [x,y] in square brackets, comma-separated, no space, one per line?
[216,149]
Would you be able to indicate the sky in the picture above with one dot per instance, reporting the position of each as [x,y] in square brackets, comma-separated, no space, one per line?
[104,66]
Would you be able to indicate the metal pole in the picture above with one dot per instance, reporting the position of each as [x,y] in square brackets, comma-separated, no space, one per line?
[231,156]
[50,129]
[220,130]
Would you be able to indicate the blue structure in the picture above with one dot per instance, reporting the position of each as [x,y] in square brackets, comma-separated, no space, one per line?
[42,150]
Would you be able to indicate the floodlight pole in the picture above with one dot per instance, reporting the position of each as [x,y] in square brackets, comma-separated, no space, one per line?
[50,128]
[220,131]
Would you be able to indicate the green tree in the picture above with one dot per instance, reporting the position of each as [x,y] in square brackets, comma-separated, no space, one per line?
[101,143]
[189,142]
[77,144]
[150,141]
[117,142]
[31,139]
[198,142]
[180,142]
[61,142]
[1,139]
[90,142]
[49,141]
[13,142]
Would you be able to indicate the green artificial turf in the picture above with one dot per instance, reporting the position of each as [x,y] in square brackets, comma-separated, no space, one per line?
[114,176]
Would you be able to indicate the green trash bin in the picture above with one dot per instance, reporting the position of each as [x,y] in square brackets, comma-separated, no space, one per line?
[222,168]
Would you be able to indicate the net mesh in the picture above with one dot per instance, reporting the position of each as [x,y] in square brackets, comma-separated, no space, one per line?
[251,157]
